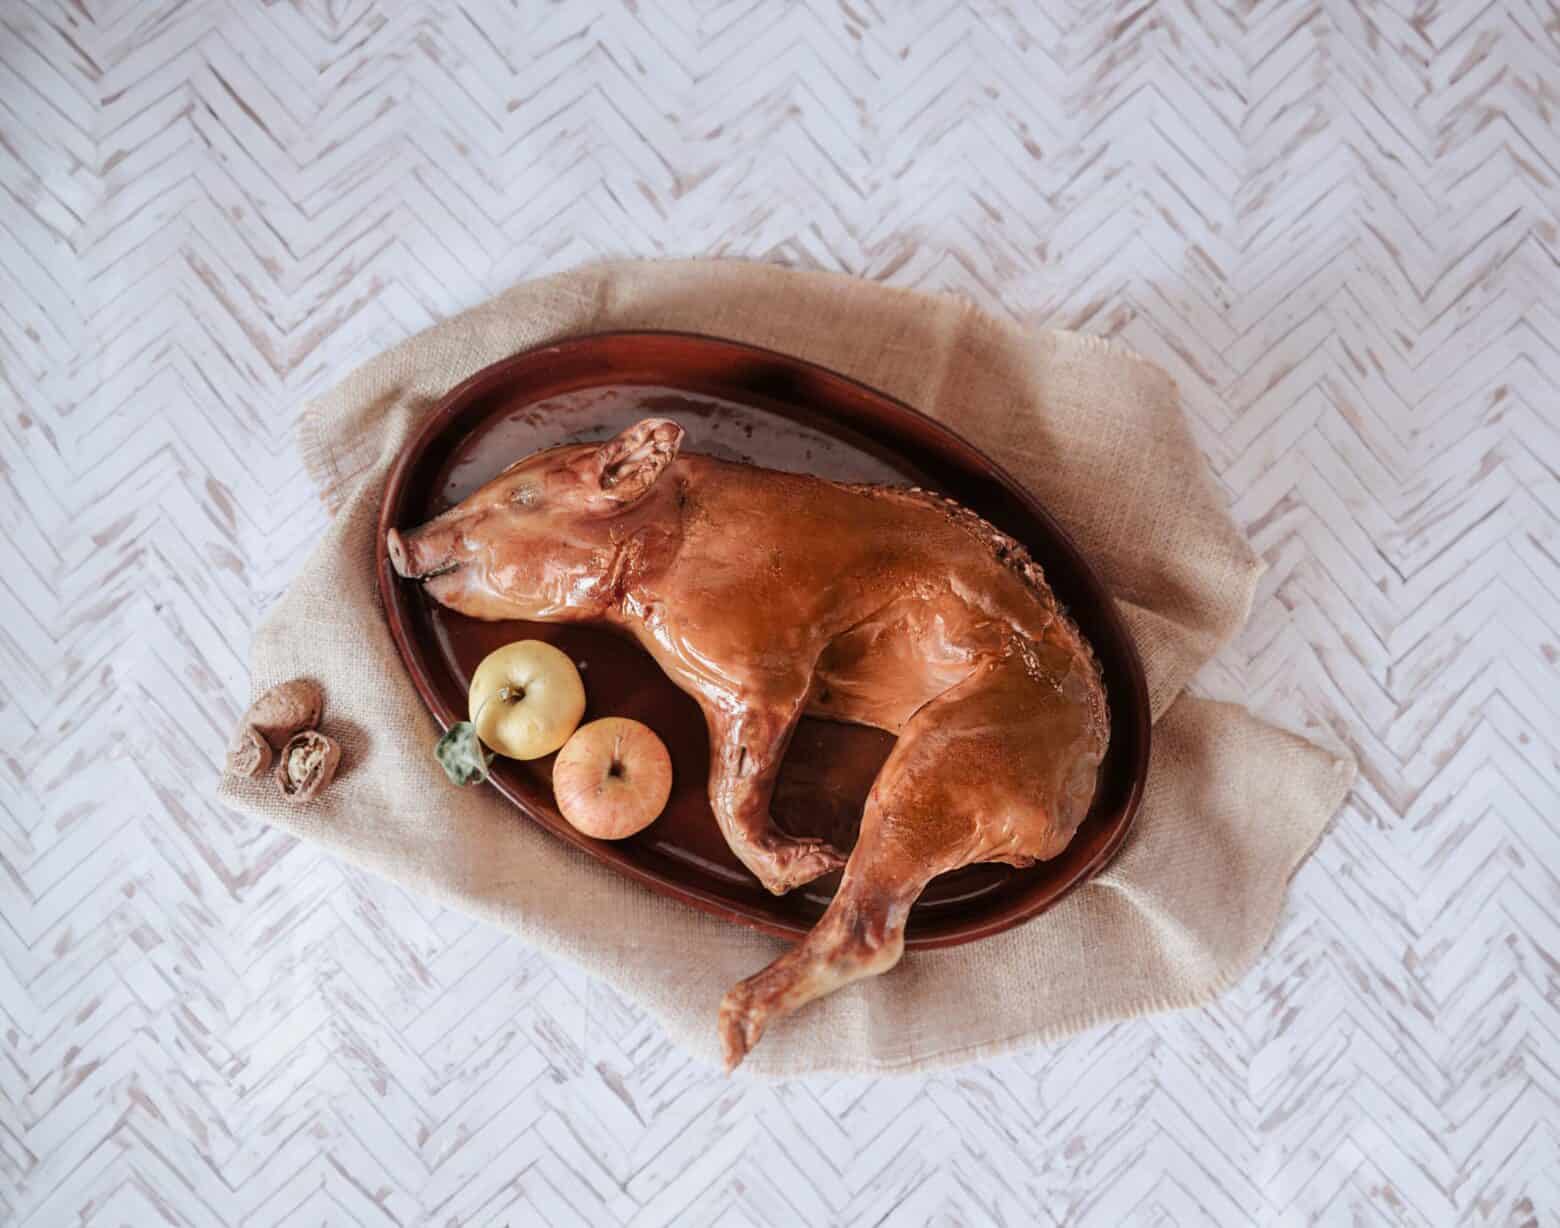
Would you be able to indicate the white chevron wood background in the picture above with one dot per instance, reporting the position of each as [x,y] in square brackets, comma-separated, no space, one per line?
[1337,225]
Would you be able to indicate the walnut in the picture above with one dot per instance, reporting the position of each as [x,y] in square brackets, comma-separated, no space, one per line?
[250,754]
[306,765]
[285,709]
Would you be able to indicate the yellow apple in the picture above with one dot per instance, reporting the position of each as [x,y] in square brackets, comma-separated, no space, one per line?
[526,699]
[612,778]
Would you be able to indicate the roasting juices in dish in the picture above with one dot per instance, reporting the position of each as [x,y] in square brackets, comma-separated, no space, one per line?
[766,595]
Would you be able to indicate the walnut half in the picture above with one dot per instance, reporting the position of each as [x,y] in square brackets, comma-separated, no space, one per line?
[250,754]
[306,765]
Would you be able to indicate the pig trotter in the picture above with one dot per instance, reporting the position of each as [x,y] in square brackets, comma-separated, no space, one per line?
[785,862]
[741,1027]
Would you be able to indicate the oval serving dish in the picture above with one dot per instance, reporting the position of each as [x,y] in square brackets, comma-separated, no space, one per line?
[742,403]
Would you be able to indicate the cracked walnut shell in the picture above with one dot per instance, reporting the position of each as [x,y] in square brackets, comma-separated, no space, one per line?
[250,754]
[306,765]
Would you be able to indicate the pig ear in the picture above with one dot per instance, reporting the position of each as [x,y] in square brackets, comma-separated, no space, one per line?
[627,467]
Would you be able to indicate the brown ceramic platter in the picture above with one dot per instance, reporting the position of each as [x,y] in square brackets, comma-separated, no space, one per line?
[747,404]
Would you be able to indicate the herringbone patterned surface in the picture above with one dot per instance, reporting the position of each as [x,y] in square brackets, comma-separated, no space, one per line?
[1338,227]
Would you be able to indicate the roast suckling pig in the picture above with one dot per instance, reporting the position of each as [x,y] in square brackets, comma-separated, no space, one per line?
[766,595]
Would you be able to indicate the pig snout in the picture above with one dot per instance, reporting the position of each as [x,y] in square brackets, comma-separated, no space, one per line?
[421,554]
[397,550]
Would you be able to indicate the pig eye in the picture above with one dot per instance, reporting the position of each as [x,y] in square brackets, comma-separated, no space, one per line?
[523,495]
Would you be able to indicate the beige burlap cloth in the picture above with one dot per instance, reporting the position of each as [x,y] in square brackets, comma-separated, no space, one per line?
[1232,804]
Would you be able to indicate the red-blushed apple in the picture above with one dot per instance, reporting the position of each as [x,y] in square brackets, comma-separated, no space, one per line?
[612,778]
[526,699]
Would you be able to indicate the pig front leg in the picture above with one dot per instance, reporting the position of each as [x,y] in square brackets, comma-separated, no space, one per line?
[746,748]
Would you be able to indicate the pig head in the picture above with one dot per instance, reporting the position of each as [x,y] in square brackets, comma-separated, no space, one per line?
[552,537]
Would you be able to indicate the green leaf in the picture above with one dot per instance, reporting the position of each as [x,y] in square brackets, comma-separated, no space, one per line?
[462,756]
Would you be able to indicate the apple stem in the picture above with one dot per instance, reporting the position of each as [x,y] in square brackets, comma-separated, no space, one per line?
[503,693]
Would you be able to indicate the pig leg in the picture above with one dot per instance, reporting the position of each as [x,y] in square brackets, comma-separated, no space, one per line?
[746,748]
[956,789]
[861,934]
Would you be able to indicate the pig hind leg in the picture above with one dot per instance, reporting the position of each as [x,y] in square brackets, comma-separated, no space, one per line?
[861,934]
[961,786]
[911,831]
